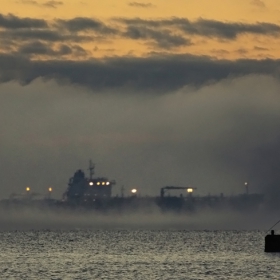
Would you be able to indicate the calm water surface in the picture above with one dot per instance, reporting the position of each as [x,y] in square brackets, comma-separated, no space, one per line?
[136,254]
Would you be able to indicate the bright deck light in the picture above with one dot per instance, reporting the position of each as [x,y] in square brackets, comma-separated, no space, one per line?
[91,183]
[189,190]
[50,189]
[27,189]
[134,191]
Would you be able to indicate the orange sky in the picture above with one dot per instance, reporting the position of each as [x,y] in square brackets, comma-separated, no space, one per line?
[245,11]
[238,10]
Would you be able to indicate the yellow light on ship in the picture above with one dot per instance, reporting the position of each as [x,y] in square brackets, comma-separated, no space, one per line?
[91,183]
[27,189]
[98,183]
[103,183]
[50,189]
[134,191]
[189,190]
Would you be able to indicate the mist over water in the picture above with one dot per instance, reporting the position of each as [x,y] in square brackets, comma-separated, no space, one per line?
[27,218]
[214,137]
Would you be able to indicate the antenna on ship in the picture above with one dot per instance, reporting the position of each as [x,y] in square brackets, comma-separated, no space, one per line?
[91,169]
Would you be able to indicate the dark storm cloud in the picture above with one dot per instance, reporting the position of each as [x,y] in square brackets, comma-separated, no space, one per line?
[36,48]
[207,28]
[85,24]
[27,34]
[163,38]
[214,28]
[13,22]
[39,48]
[45,49]
[156,34]
[44,35]
[158,73]
[17,32]
[140,5]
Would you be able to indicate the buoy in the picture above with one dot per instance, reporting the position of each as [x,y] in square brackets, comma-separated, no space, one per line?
[272,243]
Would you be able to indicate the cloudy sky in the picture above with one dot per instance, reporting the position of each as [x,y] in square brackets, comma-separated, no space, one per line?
[155,92]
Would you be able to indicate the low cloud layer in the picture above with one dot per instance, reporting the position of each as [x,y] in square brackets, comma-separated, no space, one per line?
[214,137]
[158,73]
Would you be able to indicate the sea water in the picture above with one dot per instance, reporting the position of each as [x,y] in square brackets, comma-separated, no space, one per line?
[136,254]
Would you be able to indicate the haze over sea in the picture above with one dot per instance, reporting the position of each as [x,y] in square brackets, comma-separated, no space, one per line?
[36,245]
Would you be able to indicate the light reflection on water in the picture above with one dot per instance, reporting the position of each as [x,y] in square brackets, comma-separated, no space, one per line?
[136,254]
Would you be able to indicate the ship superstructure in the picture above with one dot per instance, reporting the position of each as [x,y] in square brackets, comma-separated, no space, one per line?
[82,189]
[96,193]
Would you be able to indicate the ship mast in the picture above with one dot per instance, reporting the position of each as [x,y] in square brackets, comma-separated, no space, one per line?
[91,169]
